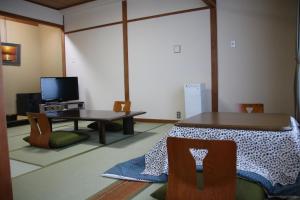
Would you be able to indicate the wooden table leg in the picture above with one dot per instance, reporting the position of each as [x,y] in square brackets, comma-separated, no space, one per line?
[75,125]
[50,124]
[101,129]
[128,126]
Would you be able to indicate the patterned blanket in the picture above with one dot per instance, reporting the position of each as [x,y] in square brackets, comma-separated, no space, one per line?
[274,155]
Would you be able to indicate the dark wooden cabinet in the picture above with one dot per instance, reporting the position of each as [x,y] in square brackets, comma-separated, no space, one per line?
[28,102]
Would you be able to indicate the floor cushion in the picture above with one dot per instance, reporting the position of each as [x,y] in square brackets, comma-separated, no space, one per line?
[63,138]
[111,126]
[246,190]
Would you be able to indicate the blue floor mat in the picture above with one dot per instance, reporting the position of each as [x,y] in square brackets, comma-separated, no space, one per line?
[133,168]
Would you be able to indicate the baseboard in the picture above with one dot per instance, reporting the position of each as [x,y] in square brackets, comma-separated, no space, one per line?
[17,123]
[155,120]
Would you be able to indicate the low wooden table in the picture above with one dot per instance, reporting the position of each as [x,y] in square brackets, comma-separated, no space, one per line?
[245,121]
[101,116]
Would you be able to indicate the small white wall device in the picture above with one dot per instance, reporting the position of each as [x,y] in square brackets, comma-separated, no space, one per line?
[192,99]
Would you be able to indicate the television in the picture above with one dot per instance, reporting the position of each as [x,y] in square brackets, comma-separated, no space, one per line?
[55,89]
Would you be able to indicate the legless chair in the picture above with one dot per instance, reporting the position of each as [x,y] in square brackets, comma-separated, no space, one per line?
[122,106]
[40,130]
[219,167]
[119,106]
[252,108]
[41,135]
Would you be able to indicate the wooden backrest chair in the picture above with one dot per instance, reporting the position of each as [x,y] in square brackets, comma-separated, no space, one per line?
[42,136]
[116,125]
[40,130]
[219,169]
[122,106]
[252,107]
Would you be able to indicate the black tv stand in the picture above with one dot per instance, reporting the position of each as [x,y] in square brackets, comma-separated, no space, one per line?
[60,106]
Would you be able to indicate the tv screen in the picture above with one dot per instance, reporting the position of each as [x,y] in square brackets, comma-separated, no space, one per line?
[59,88]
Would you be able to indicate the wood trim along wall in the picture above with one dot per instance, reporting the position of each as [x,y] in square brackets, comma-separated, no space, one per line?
[167,14]
[5,179]
[7,14]
[125,50]
[210,3]
[139,19]
[156,120]
[214,58]
[29,22]
[94,27]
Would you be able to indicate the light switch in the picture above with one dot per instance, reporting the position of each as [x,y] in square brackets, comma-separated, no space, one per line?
[73,60]
[233,44]
[177,48]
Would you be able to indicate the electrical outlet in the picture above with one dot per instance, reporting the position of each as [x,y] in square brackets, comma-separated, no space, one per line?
[178,115]
[177,48]
[233,44]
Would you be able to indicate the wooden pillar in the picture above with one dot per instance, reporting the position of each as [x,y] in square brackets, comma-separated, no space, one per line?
[125,49]
[214,58]
[63,49]
[5,179]
[214,53]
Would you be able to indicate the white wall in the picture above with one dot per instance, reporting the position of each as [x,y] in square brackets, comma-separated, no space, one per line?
[138,8]
[95,56]
[27,9]
[156,74]
[21,79]
[261,67]
[50,50]
[40,56]
[92,14]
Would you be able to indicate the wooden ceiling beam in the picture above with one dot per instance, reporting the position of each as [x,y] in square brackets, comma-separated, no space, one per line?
[210,3]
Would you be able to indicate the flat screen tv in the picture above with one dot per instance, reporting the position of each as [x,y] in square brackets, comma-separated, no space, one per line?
[59,89]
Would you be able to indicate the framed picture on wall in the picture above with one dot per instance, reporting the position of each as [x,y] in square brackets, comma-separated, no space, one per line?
[11,54]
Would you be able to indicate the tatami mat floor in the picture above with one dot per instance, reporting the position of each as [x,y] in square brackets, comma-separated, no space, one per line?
[77,176]
[18,168]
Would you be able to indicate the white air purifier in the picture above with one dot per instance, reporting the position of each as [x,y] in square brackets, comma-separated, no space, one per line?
[192,99]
